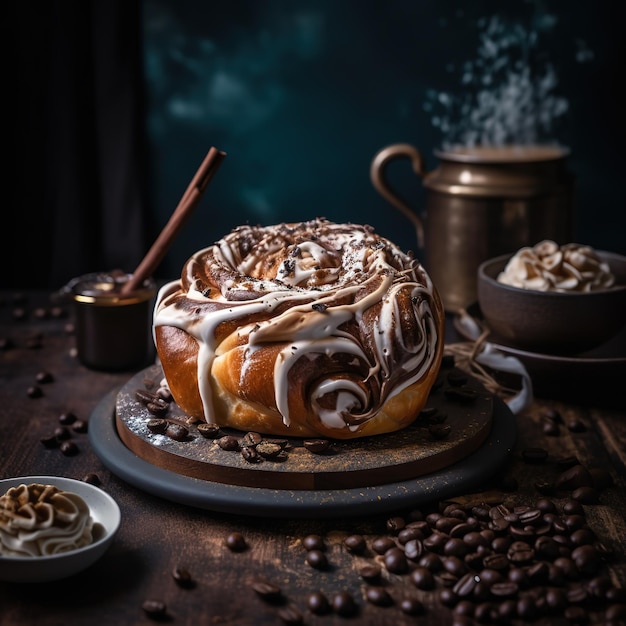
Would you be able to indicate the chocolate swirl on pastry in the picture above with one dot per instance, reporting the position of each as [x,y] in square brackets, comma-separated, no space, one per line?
[303,329]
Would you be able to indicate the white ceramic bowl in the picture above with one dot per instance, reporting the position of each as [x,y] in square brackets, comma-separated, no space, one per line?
[104,511]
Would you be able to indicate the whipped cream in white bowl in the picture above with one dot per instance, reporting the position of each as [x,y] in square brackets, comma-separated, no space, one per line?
[34,547]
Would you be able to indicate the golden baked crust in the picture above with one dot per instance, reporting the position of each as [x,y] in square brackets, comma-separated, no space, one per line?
[309,329]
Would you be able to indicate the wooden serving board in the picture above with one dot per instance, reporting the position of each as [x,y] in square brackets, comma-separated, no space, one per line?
[461,407]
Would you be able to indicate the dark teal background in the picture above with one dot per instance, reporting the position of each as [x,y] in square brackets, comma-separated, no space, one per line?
[302,94]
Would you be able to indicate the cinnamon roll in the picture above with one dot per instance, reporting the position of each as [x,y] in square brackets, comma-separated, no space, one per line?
[303,329]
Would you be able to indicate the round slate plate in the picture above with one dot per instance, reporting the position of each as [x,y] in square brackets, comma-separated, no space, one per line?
[468,474]
[362,462]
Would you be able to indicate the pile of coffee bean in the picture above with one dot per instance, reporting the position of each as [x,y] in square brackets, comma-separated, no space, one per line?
[253,447]
[485,564]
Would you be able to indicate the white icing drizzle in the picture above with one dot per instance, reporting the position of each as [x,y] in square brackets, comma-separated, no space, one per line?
[321,277]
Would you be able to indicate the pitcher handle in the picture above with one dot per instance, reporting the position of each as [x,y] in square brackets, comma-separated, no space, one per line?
[377,175]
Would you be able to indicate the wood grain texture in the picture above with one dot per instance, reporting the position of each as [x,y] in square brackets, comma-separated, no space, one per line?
[156,536]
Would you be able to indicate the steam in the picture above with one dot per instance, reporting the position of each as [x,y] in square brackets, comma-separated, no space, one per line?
[508,92]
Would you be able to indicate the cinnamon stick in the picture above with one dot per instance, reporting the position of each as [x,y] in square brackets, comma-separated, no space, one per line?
[181,214]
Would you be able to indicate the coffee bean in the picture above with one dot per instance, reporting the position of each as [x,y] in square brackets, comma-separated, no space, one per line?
[573,522]
[414,549]
[269,450]
[318,603]
[68,418]
[616,594]
[316,446]
[422,578]
[158,407]
[435,542]
[409,534]
[490,576]
[501,544]
[497,562]
[616,613]
[177,432]
[574,477]
[80,426]
[395,561]
[378,596]
[344,604]
[447,597]
[250,439]
[395,524]
[250,454]
[355,544]
[546,548]
[317,559]
[577,594]
[445,524]
[34,392]
[453,565]
[370,573]
[92,479]
[465,586]
[157,425]
[586,495]
[209,431]
[50,442]
[576,615]
[466,532]
[520,553]
[69,448]
[380,545]
[144,396]
[582,537]
[527,608]
[464,608]
[266,590]
[504,589]
[573,507]
[455,547]
[519,577]
[290,614]
[155,609]
[183,578]
[411,606]
[530,516]
[587,559]
[229,443]
[313,542]
[568,567]
[44,377]
[236,542]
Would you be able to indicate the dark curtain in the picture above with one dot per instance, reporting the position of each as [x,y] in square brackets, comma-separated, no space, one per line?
[75,158]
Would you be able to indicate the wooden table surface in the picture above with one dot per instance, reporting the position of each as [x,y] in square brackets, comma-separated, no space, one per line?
[157,536]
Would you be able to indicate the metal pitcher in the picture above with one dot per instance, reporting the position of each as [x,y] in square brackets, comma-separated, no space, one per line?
[482,202]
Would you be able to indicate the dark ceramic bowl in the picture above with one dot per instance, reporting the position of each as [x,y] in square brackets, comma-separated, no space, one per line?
[549,322]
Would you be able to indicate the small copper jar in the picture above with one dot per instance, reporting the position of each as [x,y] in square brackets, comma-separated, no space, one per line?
[482,202]
[113,332]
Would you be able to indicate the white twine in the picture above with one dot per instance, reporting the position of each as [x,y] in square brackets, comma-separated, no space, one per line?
[476,355]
